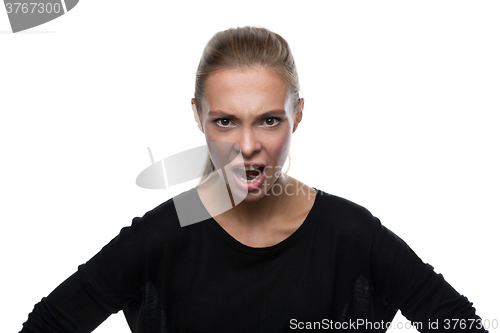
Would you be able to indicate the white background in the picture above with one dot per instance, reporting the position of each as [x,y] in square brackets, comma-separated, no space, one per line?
[401,117]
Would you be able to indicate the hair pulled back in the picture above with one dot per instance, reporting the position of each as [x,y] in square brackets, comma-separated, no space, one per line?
[245,48]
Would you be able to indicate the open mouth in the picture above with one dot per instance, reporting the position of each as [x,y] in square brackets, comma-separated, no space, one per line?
[249,173]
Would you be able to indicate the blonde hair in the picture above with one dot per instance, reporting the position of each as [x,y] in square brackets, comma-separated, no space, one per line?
[246,47]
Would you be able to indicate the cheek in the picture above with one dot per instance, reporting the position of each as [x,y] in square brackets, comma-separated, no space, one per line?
[212,136]
[279,147]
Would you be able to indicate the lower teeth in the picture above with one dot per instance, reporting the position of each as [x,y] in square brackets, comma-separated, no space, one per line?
[247,180]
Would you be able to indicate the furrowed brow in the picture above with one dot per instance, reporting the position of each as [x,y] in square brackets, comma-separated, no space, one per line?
[225,115]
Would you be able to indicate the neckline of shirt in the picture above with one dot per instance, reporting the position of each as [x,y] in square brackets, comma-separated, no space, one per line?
[273,248]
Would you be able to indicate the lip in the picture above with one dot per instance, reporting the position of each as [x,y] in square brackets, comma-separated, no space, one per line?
[249,186]
[246,164]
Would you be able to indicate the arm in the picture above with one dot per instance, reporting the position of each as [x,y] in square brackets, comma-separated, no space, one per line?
[404,282]
[100,287]
[69,308]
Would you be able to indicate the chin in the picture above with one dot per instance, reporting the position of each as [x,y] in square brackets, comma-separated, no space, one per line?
[243,190]
[256,195]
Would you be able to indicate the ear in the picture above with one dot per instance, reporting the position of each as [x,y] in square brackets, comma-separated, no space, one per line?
[196,115]
[298,115]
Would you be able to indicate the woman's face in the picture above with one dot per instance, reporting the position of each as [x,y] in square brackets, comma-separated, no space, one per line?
[251,109]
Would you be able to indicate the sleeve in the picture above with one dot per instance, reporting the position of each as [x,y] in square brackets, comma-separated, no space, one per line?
[100,287]
[69,308]
[114,276]
[404,282]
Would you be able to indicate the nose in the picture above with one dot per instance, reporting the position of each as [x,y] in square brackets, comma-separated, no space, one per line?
[249,142]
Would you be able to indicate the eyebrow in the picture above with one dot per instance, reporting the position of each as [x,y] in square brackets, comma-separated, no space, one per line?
[225,115]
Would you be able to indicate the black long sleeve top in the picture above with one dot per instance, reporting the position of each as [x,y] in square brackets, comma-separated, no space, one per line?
[340,270]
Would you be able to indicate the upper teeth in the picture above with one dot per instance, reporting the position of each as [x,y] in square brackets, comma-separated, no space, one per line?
[249,168]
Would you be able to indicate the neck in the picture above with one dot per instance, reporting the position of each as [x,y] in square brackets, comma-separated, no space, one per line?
[247,213]
[270,206]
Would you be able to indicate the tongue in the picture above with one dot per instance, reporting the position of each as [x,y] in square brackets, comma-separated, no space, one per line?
[252,174]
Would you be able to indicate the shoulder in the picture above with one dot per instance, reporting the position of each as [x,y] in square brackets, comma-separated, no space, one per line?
[345,217]
[165,225]
[139,252]
[338,208]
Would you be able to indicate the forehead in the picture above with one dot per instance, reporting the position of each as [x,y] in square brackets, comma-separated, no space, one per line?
[249,90]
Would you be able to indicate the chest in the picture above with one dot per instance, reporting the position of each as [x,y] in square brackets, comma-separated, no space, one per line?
[229,292]
[253,297]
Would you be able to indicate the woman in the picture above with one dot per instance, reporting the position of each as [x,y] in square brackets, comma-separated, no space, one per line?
[261,251]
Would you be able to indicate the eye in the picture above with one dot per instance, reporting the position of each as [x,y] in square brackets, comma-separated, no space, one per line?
[272,121]
[222,122]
